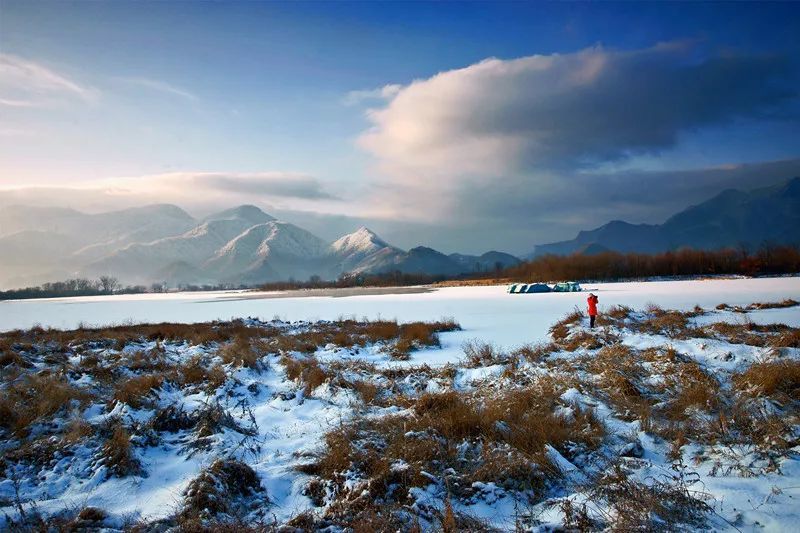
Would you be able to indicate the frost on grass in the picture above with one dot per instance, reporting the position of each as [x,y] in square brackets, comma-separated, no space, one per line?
[655,420]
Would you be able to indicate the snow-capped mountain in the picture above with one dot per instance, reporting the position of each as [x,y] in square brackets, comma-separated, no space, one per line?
[140,261]
[360,250]
[269,252]
[164,243]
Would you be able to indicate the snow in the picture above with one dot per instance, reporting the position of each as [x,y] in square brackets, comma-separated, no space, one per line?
[488,313]
[291,424]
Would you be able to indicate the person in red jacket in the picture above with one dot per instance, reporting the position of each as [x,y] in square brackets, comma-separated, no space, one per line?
[592,300]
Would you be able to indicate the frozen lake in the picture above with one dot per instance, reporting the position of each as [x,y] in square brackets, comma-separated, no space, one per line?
[484,312]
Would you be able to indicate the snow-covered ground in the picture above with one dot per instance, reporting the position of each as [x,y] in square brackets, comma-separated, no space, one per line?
[291,424]
[485,312]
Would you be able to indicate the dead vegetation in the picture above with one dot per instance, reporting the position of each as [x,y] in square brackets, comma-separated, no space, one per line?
[458,440]
[514,431]
[226,487]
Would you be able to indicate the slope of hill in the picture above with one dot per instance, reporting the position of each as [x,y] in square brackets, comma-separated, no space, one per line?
[731,218]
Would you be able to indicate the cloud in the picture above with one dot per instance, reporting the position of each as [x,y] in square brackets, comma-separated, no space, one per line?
[193,190]
[386,92]
[25,83]
[159,86]
[466,143]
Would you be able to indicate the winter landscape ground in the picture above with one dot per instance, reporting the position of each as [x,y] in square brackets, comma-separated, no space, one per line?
[498,412]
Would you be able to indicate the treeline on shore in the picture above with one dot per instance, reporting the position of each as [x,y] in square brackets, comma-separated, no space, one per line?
[609,266]
[605,266]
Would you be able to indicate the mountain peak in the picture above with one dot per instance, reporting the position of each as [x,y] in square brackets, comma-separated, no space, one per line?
[361,240]
[246,212]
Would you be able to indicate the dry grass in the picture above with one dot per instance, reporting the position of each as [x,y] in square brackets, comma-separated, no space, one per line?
[535,353]
[501,439]
[561,329]
[307,371]
[695,389]
[240,352]
[220,489]
[37,398]
[779,380]
[666,504]
[117,454]
[136,391]
[479,353]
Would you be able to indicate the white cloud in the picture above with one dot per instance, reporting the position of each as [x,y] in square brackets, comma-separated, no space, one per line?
[528,126]
[28,83]
[193,190]
[160,86]
[387,92]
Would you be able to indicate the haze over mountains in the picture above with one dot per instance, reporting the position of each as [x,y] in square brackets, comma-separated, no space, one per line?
[731,218]
[163,243]
[244,245]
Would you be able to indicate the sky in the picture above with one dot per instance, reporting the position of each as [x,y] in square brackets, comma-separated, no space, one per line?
[461,126]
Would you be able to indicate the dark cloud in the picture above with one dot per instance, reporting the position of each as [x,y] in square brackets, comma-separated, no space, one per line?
[532,131]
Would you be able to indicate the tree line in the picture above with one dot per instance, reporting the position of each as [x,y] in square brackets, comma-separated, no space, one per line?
[605,266]
[768,260]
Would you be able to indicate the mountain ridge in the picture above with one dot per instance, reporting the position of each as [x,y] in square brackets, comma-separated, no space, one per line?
[730,218]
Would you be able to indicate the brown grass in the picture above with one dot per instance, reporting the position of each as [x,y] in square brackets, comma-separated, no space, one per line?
[37,398]
[136,390]
[479,353]
[775,379]
[220,488]
[307,371]
[513,427]
[561,329]
[240,352]
[117,454]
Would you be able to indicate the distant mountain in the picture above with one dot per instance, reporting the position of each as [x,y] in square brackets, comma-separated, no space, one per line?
[272,251]
[485,263]
[241,245]
[361,251]
[731,218]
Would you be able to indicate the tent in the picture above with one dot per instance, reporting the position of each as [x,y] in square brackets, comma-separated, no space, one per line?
[537,287]
[567,286]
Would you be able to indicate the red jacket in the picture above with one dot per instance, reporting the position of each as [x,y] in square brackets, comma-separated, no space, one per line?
[592,305]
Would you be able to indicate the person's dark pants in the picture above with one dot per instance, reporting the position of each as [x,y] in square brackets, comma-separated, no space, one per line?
[591,320]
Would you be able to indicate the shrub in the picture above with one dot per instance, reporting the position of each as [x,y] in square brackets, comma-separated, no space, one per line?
[220,488]
[118,455]
[135,391]
[479,353]
[36,398]
[776,379]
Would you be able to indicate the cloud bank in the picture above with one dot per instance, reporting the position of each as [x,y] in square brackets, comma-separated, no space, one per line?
[502,138]
[203,191]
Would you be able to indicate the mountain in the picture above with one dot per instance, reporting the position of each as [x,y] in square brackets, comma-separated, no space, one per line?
[241,245]
[360,251]
[139,262]
[731,218]
[485,263]
[419,260]
[272,251]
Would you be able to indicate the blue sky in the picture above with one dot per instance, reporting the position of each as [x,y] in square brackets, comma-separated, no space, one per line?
[127,96]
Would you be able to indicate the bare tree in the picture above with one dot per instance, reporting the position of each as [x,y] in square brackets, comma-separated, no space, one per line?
[108,284]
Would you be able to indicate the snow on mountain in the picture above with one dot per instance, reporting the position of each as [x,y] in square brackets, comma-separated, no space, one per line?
[139,261]
[268,252]
[246,213]
[360,251]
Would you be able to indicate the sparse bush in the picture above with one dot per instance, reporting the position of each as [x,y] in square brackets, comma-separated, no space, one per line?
[776,379]
[222,488]
[117,454]
[479,353]
[135,391]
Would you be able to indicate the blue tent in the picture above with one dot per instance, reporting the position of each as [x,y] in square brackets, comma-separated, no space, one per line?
[567,286]
[537,287]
